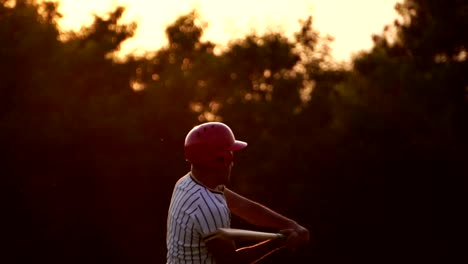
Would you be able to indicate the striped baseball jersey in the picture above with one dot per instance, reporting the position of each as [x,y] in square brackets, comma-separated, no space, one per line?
[194,212]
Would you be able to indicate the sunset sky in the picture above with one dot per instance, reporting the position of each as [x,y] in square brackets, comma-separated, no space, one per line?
[351,23]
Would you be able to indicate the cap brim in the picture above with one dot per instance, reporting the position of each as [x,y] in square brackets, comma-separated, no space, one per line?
[238,145]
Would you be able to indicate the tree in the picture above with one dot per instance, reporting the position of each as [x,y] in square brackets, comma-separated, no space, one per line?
[403,110]
[60,100]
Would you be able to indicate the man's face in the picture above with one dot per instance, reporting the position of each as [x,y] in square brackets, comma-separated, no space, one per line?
[231,164]
[226,170]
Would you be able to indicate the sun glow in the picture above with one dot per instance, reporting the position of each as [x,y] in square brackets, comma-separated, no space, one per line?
[351,23]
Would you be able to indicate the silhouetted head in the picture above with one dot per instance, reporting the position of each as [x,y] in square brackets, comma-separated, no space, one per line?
[210,147]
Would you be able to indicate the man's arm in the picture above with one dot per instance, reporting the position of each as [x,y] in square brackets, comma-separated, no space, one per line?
[224,251]
[260,215]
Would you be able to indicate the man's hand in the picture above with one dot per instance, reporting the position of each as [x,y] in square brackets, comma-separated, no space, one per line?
[296,236]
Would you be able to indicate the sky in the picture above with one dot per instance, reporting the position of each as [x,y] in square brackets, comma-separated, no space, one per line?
[350,22]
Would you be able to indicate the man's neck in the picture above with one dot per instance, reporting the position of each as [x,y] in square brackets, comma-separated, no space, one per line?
[208,178]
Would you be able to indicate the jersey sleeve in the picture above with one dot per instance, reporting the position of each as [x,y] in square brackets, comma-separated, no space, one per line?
[210,213]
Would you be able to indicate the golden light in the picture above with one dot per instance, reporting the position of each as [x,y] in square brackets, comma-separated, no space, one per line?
[351,23]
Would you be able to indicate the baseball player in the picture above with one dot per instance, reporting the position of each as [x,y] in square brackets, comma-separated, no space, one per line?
[201,204]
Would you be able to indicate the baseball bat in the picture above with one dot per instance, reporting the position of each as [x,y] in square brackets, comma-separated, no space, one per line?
[242,235]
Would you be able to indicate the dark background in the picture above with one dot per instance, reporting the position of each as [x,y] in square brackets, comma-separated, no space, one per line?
[370,157]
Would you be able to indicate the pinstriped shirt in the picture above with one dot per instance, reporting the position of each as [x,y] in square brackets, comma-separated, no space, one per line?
[194,212]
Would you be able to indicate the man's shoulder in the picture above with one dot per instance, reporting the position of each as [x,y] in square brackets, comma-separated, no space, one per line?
[190,188]
[186,182]
[183,178]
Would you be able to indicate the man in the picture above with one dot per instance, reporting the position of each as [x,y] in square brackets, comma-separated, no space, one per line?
[201,204]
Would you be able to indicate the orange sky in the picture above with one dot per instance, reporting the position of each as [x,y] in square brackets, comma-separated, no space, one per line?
[350,22]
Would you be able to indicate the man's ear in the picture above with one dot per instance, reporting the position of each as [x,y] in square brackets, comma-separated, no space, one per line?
[225,158]
[228,158]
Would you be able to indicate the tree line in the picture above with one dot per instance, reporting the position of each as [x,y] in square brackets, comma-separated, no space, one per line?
[370,158]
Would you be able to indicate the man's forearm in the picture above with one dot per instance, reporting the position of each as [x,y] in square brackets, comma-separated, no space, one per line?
[256,213]
[258,251]
[260,215]
[224,251]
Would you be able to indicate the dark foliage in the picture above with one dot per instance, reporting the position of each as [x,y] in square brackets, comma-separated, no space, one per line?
[371,159]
